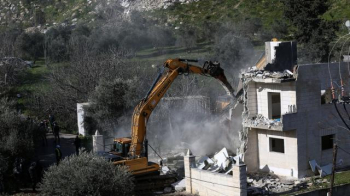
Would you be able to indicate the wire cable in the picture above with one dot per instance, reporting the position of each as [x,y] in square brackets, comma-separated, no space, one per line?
[346,110]
[155,152]
[335,105]
[349,61]
[218,184]
[341,51]
[329,70]
[340,76]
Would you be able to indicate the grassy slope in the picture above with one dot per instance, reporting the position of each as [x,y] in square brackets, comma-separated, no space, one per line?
[339,179]
[196,14]
[32,82]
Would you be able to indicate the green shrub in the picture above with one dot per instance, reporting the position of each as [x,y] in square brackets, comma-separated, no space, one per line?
[87,174]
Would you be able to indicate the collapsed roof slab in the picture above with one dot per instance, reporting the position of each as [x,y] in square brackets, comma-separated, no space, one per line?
[272,80]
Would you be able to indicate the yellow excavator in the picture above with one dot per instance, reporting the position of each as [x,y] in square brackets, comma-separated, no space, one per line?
[132,152]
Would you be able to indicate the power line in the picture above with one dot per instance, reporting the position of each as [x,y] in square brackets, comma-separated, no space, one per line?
[335,105]
[329,55]
[341,50]
[346,110]
[218,183]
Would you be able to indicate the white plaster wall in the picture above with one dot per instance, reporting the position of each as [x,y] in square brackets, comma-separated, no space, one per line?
[288,96]
[286,163]
[80,117]
[206,183]
[270,51]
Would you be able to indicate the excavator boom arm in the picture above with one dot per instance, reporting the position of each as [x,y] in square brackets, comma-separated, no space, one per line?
[144,109]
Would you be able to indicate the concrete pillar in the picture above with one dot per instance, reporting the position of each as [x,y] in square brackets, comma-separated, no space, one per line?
[98,143]
[189,162]
[80,117]
[239,174]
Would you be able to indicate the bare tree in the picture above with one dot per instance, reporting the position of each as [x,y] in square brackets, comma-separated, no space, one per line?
[74,81]
[10,68]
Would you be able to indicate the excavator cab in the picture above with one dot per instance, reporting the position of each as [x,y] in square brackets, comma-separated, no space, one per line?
[121,146]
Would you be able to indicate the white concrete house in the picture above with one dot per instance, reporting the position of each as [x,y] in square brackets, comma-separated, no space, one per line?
[288,117]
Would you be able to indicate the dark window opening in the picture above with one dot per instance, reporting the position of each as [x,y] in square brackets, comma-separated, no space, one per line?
[327,142]
[274,105]
[276,145]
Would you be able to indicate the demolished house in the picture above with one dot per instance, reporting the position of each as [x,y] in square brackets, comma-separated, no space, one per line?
[288,118]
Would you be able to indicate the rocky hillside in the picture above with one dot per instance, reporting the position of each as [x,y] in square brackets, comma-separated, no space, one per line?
[142,5]
[44,13]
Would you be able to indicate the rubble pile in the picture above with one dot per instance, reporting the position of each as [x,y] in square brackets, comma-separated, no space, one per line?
[266,183]
[253,72]
[221,162]
[174,163]
[261,120]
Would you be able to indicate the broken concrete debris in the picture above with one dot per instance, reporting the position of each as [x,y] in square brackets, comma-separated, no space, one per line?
[221,162]
[179,185]
[322,170]
[256,75]
[260,183]
[165,170]
[260,120]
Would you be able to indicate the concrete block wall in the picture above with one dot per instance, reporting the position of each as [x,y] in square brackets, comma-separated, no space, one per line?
[251,156]
[288,97]
[314,125]
[290,121]
[316,120]
[285,164]
[206,183]
[252,102]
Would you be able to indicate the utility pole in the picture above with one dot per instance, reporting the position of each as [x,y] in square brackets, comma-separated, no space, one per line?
[335,147]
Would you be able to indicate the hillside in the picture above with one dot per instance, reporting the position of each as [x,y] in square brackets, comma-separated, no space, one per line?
[51,12]
[170,12]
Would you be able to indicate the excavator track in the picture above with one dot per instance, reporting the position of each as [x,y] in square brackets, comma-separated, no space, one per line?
[147,185]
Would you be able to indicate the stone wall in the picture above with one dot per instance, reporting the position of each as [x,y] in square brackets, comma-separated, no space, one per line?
[207,183]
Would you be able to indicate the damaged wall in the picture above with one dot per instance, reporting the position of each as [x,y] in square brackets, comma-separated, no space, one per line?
[301,129]
[258,102]
[207,183]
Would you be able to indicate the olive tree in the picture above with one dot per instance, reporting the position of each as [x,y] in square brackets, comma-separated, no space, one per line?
[16,141]
[87,174]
